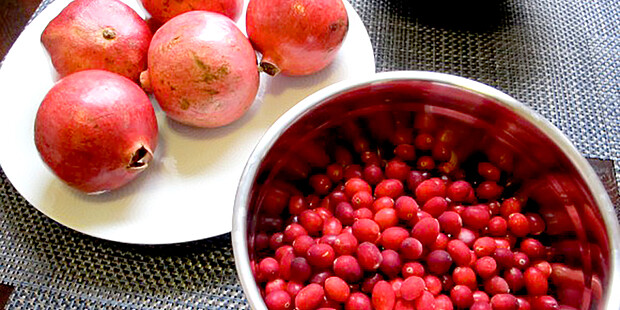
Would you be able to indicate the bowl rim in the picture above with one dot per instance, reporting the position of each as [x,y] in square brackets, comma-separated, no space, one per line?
[241,205]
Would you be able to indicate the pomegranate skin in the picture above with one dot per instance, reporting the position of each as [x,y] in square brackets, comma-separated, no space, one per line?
[296,37]
[202,70]
[96,130]
[98,34]
[164,10]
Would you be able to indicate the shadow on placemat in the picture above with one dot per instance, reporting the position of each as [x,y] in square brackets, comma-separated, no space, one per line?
[475,15]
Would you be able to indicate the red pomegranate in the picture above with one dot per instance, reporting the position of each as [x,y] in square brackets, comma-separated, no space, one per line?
[296,37]
[98,34]
[202,69]
[164,10]
[96,130]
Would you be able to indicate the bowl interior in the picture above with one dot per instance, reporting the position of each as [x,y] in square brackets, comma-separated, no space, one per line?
[478,123]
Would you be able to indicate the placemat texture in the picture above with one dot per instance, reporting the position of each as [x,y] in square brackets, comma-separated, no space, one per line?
[559,57]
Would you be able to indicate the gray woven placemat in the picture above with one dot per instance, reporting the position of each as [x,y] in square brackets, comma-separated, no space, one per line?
[560,57]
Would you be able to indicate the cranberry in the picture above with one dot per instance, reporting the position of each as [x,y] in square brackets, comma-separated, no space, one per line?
[426,230]
[270,224]
[497,226]
[405,152]
[345,213]
[371,158]
[460,252]
[362,199]
[504,302]
[342,156]
[504,257]
[543,266]
[293,288]
[489,190]
[433,284]
[311,221]
[276,240]
[261,241]
[402,135]
[532,248]
[481,296]
[278,300]
[392,237]
[352,172]
[450,223]
[489,171]
[362,213]
[345,244]
[319,278]
[461,296]
[406,208]
[386,218]
[480,305]
[412,269]
[521,260]
[435,206]
[397,169]
[424,142]
[358,301]
[443,302]
[373,174]
[438,262]
[411,248]
[347,268]
[537,224]
[391,263]
[514,278]
[300,270]
[369,256]
[496,285]
[383,296]
[518,224]
[310,297]
[523,304]
[275,285]
[335,172]
[412,288]
[301,245]
[535,281]
[545,302]
[441,243]
[321,184]
[459,191]
[366,230]
[337,289]
[382,203]
[426,301]
[484,246]
[430,188]
[441,152]
[274,201]
[292,231]
[269,268]
[465,276]
[415,178]
[510,206]
[476,217]
[354,185]
[321,255]
[486,267]
[389,187]
[332,226]
[370,281]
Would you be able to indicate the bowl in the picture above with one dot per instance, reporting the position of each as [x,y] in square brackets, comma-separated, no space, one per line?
[538,162]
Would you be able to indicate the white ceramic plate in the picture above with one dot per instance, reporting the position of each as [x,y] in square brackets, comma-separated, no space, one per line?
[188,192]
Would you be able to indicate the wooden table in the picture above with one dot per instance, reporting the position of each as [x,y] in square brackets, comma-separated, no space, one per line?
[14,14]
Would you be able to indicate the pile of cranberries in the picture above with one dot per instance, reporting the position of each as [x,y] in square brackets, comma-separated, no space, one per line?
[389,212]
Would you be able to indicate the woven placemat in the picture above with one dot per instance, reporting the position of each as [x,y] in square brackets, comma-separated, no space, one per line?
[559,57]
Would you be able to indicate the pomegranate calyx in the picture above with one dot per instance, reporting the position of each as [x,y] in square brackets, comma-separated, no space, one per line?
[268,68]
[140,159]
[109,34]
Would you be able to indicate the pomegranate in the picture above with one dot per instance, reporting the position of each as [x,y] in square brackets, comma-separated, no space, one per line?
[296,37]
[96,130]
[164,10]
[202,69]
[98,34]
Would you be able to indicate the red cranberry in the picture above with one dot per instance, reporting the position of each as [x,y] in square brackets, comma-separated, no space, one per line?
[465,276]
[545,302]
[543,266]
[293,288]
[402,135]
[278,300]
[406,208]
[332,226]
[369,256]
[435,206]
[496,285]
[443,302]
[391,263]
[414,179]
[371,158]
[484,246]
[489,171]
[459,191]
[301,245]
[345,213]
[382,203]
[358,301]
[521,260]
[270,224]
[438,262]
[383,297]
[412,288]
[321,255]
[514,278]
[345,244]
[373,174]
[389,187]
[397,169]
[352,172]
[498,226]
[504,257]
[424,141]
[335,172]
[261,241]
[386,218]
[467,236]
[283,250]
[405,152]
[342,156]
[311,221]
[433,284]
[300,270]
[504,302]
[461,296]
[476,217]
[430,188]
[489,190]
[319,278]
[392,237]
[460,252]
[518,225]
[426,230]
[310,297]
[269,268]
[276,240]
[480,305]
[441,243]
[275,285]
[321,184]
[486,267]
[537,224]
[292,231]
[426,301]
[337,289]
[347,268]
[411,248]
[362,213]
[366,230]
[535,281]
[370,281]
[354,185]
[510,206]
[450,223]
[532,248]
[412,269]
